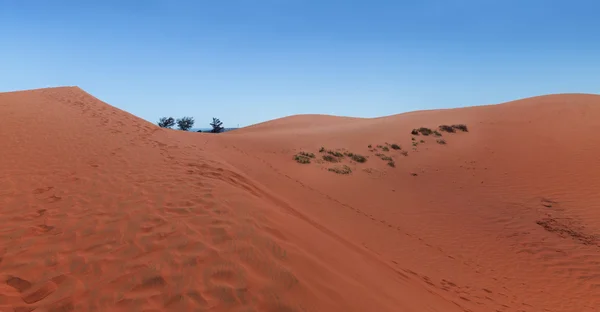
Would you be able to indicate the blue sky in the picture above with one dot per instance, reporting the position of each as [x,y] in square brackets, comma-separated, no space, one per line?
[247,61]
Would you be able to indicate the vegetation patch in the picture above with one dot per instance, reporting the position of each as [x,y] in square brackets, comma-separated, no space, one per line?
[322,150]
[358,158]
[424,131]
[341,170]
[383,157]
[441,141]
[306,154]
[330,158]
[392,164]
[437,133]
[404,153]
[447,128]
[395,146]
[461,127]
[302,159]
[335,153]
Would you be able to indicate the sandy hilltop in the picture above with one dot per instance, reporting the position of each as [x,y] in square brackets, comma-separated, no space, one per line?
[103,211]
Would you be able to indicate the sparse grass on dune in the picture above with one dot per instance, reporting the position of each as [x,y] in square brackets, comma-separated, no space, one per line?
[359,158]
[335,153]
[330,158]
[424,131]
[341,169]
[383,157]
[447,128]
[304,157]
[453,128]
[306,154]
[461,127]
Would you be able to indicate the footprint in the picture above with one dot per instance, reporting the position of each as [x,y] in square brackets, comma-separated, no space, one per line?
[18,283]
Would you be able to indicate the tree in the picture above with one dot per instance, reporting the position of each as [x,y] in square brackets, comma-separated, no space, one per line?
[185,123]
[165,122]
[217,126]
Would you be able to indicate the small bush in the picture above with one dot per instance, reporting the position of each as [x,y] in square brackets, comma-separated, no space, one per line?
[414,132]
[447,128]
[415,144]
[335,153]
[359,158]
[341,170]
[302,159]
[309,155]
[385,149]
[166,122]
[395,146]
[437,133]
[441,141]
[330,158]
[391,163]
[370,146]
[413,138]
[461,127]
[422,141]
[404,153]
[383,157]
[425,131]
[322,150]
[185,123]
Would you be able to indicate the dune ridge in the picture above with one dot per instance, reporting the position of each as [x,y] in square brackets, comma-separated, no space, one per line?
[105,211]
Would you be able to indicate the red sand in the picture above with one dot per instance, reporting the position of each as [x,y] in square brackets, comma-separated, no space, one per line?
[102,211]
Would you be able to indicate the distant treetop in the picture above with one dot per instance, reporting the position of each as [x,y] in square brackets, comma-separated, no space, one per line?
[166,122]
[217,126]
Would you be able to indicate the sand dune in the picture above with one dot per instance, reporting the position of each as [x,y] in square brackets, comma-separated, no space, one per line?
[102,211]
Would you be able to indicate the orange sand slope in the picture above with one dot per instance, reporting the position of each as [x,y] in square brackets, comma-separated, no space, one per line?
[102,211]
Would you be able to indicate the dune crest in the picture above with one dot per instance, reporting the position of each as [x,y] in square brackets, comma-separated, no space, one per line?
[104,211]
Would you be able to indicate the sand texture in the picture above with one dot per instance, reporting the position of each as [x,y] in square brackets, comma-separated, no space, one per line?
[103,211]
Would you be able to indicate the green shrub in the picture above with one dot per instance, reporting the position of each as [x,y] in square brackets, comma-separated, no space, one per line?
[395,146]
[447,128]
[461,127]
[425,131]
[309,155]
[341,170]
[391,163]
[335,153]
[302,159]
[330,158]
[358,158]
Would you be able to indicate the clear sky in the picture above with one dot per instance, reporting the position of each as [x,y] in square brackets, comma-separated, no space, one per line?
[247,61]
